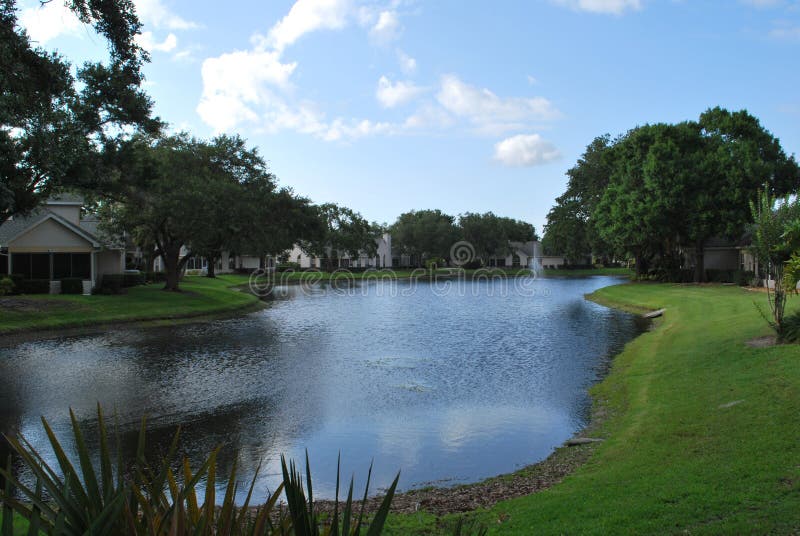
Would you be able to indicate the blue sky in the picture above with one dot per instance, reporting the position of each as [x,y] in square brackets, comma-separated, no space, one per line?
[391,105]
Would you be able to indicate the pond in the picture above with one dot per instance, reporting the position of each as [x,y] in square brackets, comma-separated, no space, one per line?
[448,382]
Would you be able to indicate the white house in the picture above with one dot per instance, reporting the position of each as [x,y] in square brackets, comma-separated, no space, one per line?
[381,259]
[522,255]
[55,242]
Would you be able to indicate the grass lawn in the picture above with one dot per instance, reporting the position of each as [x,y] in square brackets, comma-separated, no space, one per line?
[703,432]
[200,296]
[582,272]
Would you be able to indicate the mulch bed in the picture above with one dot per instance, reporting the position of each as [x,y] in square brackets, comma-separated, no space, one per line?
[27,305]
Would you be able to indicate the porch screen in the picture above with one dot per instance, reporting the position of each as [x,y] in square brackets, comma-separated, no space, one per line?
[71,265]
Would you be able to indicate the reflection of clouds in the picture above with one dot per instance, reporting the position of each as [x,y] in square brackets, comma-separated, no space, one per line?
[477,424]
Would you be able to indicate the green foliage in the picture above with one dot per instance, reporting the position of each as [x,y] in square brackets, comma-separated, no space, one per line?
[33,286]
[776,237]
[424,233]
[663,190]
[287,267]
[435,263]
[340,230]
[56,122]
[113,496]
[72,285]
[112,284]
[490,235]
[6,286]
[305,519]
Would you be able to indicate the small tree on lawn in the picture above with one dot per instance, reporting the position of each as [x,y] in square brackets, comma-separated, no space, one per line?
[776,236]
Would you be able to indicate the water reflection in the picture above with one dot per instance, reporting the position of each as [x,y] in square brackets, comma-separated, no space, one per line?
[449,386]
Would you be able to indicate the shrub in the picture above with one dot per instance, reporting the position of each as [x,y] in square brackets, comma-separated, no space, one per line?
[7,286]
[112,284]
[288,266]
[148,499]
[33,286]
[434,263]
[133,279]
[155,277]
[790,328]
[72,285]
[472,265]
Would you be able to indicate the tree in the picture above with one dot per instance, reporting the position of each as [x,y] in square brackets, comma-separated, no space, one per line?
[425,234]
[490,235]
[228,219]
[776,237]
[570,230]
[166,195]
[341,230]
[53,123]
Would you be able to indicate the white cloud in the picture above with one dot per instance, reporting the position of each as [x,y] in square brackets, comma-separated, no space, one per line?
[785,32]
[429,116]
[490,113]
[154,13]
[407,64]
[391,94]
[525,150]
[614,7]
[148,42]
[386,28]
[47,21]
[237,82]
[762,3]
[307,16]
[532,80]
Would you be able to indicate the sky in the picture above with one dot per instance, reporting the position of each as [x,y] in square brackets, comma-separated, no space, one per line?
[387,106]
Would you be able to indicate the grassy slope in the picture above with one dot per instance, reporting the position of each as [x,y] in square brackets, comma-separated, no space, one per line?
[200,296]
[675,461]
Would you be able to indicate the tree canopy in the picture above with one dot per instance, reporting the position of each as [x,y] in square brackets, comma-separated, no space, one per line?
[53,123]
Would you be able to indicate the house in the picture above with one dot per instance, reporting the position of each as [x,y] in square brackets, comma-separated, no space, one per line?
[721,254]
[381,259]
[521,255]
[56,242]
[227,263]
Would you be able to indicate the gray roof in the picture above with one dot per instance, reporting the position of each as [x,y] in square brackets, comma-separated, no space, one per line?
[525,247]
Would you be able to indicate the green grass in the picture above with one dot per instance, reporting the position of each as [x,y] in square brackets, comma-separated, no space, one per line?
[676,459]
[582,272]
[199,296]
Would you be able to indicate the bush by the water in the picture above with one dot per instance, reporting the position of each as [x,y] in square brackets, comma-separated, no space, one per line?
[72,285]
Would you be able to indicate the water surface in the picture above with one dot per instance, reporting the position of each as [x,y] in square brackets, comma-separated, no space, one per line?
[449,384]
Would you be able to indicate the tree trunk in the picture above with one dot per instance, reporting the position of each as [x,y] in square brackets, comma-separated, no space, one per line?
[699,262]
[172,267]
[211,267]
